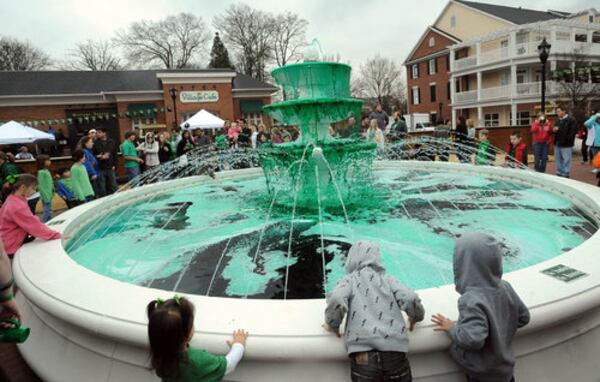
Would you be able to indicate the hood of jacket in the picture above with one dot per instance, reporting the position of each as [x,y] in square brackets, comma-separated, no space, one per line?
[477,262]
[364,254]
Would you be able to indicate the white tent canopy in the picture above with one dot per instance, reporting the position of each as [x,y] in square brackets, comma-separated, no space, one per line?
[203,120]
[14,133]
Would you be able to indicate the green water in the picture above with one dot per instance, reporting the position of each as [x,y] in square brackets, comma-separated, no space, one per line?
[204,239]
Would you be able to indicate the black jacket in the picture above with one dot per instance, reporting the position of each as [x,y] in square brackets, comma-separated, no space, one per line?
[106,146]
[567,129]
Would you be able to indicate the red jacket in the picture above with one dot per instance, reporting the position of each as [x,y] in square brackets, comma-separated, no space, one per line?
[542,134]
[17,221]
[516,154]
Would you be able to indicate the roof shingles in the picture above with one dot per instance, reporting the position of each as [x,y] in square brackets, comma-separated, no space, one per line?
[96,82]
[514,15]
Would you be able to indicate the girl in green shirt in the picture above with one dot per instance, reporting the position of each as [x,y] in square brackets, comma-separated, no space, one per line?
[45,186]
[170,330]
[80,180]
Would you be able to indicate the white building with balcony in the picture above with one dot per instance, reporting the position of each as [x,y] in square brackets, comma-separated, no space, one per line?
[496,78]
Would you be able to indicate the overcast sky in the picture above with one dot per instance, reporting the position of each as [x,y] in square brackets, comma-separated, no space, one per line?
[355,29]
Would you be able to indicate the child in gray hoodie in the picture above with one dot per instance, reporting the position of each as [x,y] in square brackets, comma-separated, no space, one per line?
[489,311]
[372,302]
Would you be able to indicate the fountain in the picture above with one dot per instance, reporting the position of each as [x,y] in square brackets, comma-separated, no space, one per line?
[263,258]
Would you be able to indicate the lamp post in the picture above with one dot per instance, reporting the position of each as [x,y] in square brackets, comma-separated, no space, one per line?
[544,51]
[173,93]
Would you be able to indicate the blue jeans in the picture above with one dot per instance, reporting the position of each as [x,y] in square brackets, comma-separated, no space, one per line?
[540,154]
[471,379]
[132,172]
[107,182]
[47,215]
[380,366]
[562,156]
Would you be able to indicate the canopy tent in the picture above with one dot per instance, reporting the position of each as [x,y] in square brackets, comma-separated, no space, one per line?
[14,133]
[203,120]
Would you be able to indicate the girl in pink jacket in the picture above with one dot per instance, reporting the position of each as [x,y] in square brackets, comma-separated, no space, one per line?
[17,224]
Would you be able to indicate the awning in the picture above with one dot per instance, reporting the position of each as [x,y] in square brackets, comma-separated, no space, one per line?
[142,110]
[251,106]
[14,133]
[203,120]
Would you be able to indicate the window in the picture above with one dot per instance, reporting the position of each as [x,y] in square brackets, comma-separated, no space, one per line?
[448,63]
[138,123]
[432,91]
[452,21]
[581,38]
[523,118]
[521,75]
[432,42]
[504,78]
[253,118]
[416,96]
[596,38]
[415,71]
[433,118]
[448,91]
[432,66]
[591,19]
[491,119]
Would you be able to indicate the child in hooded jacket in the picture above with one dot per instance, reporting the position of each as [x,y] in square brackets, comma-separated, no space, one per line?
[376,335]
[490,311]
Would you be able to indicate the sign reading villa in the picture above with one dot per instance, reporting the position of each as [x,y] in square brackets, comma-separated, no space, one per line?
[199,96]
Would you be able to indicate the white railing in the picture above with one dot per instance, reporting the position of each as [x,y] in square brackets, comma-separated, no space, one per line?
[468,96]
[529,89]
[465,63]
[495,93]
[526,49]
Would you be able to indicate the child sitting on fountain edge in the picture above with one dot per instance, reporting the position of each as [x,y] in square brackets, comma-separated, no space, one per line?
[372,302]
[489,312]
[170,331]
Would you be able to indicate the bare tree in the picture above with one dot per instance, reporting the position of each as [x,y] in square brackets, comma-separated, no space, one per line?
[21,55]
[380,77]
[174,42]
[575,85]
[94,55]
[249,33]
[288,37]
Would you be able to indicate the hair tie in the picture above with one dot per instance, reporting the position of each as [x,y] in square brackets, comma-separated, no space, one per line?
[159,301]
[177,299]
[12,179]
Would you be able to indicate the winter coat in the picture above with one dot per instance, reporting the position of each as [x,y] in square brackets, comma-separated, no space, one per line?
[489,310]
[372,303]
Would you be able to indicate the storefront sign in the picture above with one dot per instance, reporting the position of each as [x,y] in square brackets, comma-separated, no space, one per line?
[199,96]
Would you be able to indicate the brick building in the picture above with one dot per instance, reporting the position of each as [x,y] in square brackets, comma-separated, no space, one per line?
[74,102]
[427,68]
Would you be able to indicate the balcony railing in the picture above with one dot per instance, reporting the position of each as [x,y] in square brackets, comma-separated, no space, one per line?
[495,93]
[462,97]
[523,50]
[529,89]
[465,63]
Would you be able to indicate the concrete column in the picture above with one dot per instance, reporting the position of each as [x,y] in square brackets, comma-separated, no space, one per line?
[513,111]
[480,122]
[452,89]
[512,44]
[452,56]
[453,118]
[513,81]
[479,82]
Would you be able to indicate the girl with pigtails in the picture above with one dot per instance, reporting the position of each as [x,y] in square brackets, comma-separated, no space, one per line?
[170,331]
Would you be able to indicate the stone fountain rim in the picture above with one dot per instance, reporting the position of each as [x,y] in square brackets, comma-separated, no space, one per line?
[110,309]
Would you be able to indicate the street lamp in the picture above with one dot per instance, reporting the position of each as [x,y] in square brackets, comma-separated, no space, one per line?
[544,51]
[173,93]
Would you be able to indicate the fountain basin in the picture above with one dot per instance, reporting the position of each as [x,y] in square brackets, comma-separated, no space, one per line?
[90,327]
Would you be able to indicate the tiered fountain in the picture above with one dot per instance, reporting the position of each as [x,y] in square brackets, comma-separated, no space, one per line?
[263,259]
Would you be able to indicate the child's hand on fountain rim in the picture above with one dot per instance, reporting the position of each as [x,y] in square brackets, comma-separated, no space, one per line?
[444,323]
[330,330]
[239,336]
